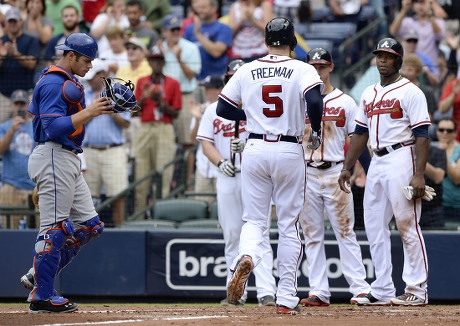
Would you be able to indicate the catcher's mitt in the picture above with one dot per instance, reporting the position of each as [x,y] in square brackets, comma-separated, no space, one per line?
[122,94]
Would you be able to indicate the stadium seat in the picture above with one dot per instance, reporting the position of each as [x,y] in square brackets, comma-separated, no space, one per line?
[149,224]
[335,32]
[180,209]
[325,44]
[214,215]
[201,224]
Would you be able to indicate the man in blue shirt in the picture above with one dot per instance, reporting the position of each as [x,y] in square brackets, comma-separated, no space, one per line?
[16,144]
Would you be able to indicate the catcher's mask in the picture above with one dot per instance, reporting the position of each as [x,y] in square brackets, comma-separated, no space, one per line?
[122,94]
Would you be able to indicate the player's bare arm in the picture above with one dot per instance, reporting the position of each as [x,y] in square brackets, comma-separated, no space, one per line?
[421,158]
[357,144]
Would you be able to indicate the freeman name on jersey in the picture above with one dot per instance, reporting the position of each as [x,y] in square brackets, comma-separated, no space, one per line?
[271,72]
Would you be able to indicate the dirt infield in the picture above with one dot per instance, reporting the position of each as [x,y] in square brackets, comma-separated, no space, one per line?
[207,314]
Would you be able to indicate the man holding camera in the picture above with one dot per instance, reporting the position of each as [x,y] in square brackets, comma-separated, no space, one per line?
[16,144]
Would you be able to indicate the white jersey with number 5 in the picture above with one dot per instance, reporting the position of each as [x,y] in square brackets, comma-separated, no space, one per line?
[262,85]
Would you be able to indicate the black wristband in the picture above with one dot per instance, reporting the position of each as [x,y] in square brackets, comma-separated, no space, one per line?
[220,162]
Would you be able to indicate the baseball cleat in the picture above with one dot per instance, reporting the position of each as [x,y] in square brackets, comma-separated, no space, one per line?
[313,301]
[267,300]
[408,299]
[28,279]
[368,300]
[353,299]
[47,306]
[280,309]
[225,302]
[235,288]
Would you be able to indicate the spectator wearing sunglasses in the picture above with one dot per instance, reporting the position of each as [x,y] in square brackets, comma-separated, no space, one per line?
[450,98]
[446,130]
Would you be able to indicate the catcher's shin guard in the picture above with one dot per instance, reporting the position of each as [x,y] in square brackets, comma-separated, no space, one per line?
[90,229]
[47,257]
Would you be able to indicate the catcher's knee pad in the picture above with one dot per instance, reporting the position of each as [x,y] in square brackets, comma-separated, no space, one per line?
[47,257]
[92,228]
[89,229]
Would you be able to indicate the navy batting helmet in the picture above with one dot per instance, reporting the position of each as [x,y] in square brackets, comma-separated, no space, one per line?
[280,31]
[319,56]
[232,67]
[392,46]
[81,43]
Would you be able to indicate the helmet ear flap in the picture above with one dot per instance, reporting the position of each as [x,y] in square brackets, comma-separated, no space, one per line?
[399,62]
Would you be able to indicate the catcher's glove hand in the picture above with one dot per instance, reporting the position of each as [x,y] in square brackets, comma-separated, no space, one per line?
[315,140]
[237,145]
[227,168]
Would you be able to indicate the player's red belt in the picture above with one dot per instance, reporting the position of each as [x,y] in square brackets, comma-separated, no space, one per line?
[290,139]
[325,165]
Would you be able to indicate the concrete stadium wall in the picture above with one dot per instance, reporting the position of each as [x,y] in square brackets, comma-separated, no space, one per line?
[190,264]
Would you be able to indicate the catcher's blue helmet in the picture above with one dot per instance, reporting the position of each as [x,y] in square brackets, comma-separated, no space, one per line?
[121,93]
[81,43]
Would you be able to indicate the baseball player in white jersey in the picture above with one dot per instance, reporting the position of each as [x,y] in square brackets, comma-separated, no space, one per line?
[323,193]
[215,135]
[393,115]
[275,90]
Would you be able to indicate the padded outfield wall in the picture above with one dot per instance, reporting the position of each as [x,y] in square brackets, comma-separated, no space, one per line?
[191,264]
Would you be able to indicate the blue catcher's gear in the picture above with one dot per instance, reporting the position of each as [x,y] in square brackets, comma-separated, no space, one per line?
[92,228]
[81,43]
[47,258]
[121,93]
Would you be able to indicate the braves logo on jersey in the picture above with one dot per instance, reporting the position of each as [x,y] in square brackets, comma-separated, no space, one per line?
[227,127]
[384,106]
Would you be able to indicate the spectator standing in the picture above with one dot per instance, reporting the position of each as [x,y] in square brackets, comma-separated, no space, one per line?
[160,100]
[322,197]
[215,135]
[412,68]
[90,9]
[117,55]
[114,15]
[70,21]
[248,18]
[54,10]
[451,184]
[393,116]
[18,59]
[287,8]
[136,68]
[183,63]
[425,22]
[16,144]
[212,37]
[450,100]
[137,26]
[346,10]
[40,26]
[155,11]
[106,159]
[410,41]
[436,168]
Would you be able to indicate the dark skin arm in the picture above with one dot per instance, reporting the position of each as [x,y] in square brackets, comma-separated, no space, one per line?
[357,144]
[421,158]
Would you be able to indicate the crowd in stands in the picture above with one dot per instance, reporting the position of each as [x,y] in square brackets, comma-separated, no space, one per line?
[169,48]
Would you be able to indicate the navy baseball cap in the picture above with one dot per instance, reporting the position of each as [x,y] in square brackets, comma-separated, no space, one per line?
[171,22]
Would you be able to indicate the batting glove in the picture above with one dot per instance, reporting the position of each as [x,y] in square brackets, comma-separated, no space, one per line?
[237,145]
[226,168]
[315,140]
[428,195]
